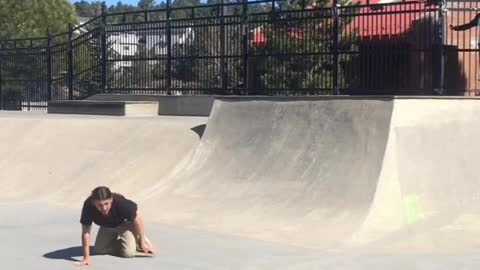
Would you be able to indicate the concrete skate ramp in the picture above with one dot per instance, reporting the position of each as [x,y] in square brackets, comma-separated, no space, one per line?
[297,171]
[357,174]
[59,158]
[428,194]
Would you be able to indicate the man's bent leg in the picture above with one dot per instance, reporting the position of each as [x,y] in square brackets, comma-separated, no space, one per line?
[105,240]
[127,242]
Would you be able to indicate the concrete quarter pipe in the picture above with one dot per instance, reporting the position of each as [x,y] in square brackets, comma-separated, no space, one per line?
[282,170]
[274,183]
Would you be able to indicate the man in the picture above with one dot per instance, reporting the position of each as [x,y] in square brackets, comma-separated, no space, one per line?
[121,226]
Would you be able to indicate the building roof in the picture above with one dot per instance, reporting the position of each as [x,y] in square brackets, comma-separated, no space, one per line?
[387,20]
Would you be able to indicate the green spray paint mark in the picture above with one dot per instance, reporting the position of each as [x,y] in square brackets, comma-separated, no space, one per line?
[411,209]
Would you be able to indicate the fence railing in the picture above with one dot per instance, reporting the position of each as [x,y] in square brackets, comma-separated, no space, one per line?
[267,47]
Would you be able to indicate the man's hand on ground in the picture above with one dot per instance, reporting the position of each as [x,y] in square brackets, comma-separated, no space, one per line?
[83,262]
[147,247]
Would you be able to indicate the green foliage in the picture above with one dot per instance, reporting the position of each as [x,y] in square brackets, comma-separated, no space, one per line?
[146,4]
[87,69]
[32,18]
[89,10]
[298,54]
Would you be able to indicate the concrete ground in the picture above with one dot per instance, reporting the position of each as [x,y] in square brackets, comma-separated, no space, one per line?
[323,183]
[36,236]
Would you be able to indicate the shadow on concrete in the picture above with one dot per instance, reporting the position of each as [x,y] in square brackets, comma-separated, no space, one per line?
[67,253]
[199,130]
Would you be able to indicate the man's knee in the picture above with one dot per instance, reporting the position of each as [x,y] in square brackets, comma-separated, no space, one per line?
[128,252]
[128,244]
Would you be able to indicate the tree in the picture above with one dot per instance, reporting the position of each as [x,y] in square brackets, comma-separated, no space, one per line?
[298,53]
[146,4]
[185,13]
[24,70]
[32,18]
[83,8]
[89,10]
[121,7]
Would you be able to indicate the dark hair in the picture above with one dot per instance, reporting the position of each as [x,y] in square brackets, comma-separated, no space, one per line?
[101,193]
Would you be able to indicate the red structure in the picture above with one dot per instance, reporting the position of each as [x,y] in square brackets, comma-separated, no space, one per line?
[373,22]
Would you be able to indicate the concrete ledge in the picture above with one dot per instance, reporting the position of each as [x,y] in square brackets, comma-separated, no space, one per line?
[104,107]
[202,105]
[167,105]
[186,105]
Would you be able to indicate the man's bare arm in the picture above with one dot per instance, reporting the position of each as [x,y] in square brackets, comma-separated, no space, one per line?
[138,226]
[86,245]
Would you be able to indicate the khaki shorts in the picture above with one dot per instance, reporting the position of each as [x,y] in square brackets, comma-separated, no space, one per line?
[118,241]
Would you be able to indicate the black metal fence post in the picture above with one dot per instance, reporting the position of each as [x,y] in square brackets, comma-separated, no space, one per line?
[103,45]
[2,100]
[336,49]
[49,65]
[168,33]
[441,41]
[70,62]
[246,76]
[222,48]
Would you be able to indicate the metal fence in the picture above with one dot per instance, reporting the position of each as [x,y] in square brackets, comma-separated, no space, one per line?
[271,47]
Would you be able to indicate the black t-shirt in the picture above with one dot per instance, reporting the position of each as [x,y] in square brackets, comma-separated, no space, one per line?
[123,210]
